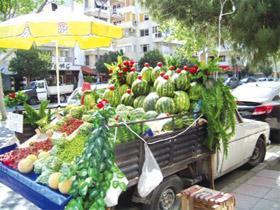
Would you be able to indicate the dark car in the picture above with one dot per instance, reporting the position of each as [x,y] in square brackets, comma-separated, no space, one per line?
[232,82]
[261,101]
[247,80]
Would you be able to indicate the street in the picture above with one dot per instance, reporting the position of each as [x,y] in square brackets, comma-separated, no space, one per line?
[249,192]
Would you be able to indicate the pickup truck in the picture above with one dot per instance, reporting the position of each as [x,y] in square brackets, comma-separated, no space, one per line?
[39,91]
[185,160]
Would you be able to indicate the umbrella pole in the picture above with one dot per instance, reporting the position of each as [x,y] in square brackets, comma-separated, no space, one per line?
[57,72]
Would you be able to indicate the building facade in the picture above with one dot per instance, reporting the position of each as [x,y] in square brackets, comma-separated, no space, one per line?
[141,33]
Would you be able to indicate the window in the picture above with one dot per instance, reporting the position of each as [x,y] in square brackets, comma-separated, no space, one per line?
[211,58]
[145,47]
[87,60]
[157,32]
[146,17]
[64,53]
[222,58]
[144,32]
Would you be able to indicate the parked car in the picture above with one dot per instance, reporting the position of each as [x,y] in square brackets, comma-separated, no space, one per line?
[232,82]
[261,101]
[247,80]
[40,91]
[74,98]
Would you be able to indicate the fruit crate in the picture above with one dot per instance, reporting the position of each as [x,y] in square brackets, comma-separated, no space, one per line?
[201,198]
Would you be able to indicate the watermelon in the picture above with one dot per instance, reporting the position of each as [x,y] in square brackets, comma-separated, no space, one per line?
[146,73]
[137,114]
[131,77]
[112,96]
[156,71]
[195,91]
[182,101]
[165,87]
[171,71]
[175,124]
[127,99]
[181,80]
[140,87]
[122,89]
[139,101]
[151,115]
[165,105]
[150,101]
[121,107]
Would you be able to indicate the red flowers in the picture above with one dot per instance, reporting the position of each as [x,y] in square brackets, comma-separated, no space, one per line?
[12,95]
[178,71]
[185,68]
[101,104]
[139,77]
[162,73]
[193,70]
[133,69]
[147,65]
[128,91]
[159,64]
[166,77]
[172,68]
[112,87]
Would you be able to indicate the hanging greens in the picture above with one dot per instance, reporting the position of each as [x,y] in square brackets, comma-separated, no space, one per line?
[219,107]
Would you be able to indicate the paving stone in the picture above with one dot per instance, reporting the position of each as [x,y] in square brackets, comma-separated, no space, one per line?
[252,190]
[273,195]
[245,201]
[266,205]
[263,181]
[269,174]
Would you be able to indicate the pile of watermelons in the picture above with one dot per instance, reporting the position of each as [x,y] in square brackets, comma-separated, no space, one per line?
[155,89]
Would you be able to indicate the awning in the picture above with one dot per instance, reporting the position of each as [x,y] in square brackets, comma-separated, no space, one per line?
[88,70]
[225,67]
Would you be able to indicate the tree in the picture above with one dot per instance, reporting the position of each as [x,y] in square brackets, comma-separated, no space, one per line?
[33,63]
[109,58]
[254,26]
[151,57]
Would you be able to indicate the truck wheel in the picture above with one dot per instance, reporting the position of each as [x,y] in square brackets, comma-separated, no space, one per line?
[33,101]
[164,196]
[63,98]
[259,153]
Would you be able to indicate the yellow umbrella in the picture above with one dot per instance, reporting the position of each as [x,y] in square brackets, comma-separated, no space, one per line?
[64,29]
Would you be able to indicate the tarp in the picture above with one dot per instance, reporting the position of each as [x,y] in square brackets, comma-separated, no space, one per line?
[42,196]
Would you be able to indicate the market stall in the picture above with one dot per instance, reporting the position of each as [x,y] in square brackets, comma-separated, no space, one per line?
[149,124]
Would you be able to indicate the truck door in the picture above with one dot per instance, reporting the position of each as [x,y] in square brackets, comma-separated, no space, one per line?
[236,150]
[41,89]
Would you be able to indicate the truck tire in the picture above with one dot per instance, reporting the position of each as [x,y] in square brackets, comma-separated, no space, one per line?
[63,98]
[164,196]
[33,100]
[259,153]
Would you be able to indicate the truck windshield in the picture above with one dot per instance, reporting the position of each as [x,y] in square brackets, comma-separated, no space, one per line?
[32,85]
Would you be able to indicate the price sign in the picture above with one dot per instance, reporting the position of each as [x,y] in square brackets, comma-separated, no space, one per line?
[15,122]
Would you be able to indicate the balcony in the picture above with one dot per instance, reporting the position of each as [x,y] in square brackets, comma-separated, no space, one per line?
[117,16]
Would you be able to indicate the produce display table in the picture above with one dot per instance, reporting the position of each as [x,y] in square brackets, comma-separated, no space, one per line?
[42,196]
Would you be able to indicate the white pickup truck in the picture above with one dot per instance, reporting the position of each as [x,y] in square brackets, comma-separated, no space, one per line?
[39,91]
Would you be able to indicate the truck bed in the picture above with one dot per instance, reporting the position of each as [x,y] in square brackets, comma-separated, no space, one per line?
[172,156]
[64,89]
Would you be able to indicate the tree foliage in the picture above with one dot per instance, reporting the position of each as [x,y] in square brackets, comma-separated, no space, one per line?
[33,63]
[110,57]
[255,26]
[152,57]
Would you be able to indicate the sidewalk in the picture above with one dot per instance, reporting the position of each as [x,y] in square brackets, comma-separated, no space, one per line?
[258,188]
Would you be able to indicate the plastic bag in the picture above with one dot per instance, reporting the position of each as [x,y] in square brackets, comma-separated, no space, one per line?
[151,175]
[113,193]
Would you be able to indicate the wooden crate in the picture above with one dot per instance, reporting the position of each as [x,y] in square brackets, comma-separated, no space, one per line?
[201,198]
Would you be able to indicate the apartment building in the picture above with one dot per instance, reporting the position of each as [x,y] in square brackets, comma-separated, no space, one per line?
[141,33]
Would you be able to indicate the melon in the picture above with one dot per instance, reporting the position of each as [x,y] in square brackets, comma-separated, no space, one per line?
[146,73]
[128,98]
[140,87]
[54,180]
[131,77]
[65,186]
[150,101]
[151,115]
[32,157]
[195,91]
[156,72]
[122,89]
[165,87]
[182,101]
[165,105]
[139,101]
[181,80]
[112,96]
[43,154]
[25,166]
